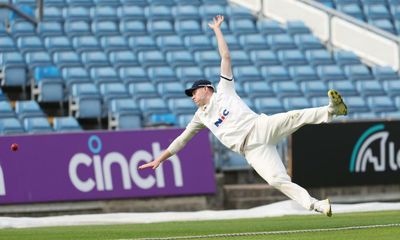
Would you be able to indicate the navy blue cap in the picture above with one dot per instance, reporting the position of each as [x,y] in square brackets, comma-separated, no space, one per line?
[198,84]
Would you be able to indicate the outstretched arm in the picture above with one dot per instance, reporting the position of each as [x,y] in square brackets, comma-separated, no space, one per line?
[226,67]
[154,164]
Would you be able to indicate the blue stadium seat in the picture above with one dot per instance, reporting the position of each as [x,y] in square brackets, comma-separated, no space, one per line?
[269,27]
[186,11]
[247,73]
[212,73]
[160,119]
[184,119]
[47,85]
[390,116]
[160,27]
[356,104]
[197,42]
[281,41]
[73,75]
[369,88]
[151,58]
[313,88]
[87,3]
[256,89]
[292,57]
[384,73]
[30,44]
[45,29]
[94,59]
[242,26]
[66,124]
[142,90]
[308,41]
[234,162]
[352,9]
[161,2]
[161,74]
[131,12]
[111,43]
[377,11]
[170,42]
[77,28]
[358,72]
[392,88]
[188,27]
[22,29]
[67,59]
[240,58]
[384,24]
[253,41]
[268,105]
[180,58]
[6,111]
[106,3]
[345,87]
[264,58]
[85,101]
[344,58]
[141,43]
[209,11]
[133,74]
[317,57]
[132,27]
[104,74]
[182,106]
[86,43]
[330,72]
[238,12]
[35,59]
[296,103]
[122,58]
[56,3]
[37,125]
[76,13]
[158,12]
[286,89]
[380,104]
[52,14]
[189,74]
[10,126]
[207,58]
[13,69]
[28,108]
[124,113]
[169,90]
[104,12]
[110,91]
[134,2]
[57,43]
[303,73]
[151,106]
[7,44]
[105,28]
[275,73]
[295,27]
[196,3]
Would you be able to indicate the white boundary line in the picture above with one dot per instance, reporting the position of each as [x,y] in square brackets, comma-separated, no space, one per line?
[222,235]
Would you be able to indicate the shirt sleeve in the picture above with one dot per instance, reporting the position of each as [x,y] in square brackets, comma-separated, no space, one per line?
[226,84]
[192,129]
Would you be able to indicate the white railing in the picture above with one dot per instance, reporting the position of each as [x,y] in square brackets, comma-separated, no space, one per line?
[337,30]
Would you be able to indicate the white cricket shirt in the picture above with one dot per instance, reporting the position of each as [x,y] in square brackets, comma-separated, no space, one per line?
[226,115]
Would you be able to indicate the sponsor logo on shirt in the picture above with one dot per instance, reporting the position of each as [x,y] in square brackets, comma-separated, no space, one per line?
[221,117]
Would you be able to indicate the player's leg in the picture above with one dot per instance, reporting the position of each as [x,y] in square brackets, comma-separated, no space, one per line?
[267,163]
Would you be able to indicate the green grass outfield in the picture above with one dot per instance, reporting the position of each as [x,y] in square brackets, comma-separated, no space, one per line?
[200,228]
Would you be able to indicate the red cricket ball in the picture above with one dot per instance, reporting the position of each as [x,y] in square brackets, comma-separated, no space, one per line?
[14,147]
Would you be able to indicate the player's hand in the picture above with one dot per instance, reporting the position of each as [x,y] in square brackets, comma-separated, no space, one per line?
[217,21]
[154,164]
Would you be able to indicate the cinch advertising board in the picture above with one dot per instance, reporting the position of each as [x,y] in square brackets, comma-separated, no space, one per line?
[102,165]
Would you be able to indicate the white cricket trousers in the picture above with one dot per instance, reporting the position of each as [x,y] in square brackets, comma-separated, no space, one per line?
[261,153]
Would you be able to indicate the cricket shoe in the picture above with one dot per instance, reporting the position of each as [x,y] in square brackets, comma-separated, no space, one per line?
[324,207]
[336,105]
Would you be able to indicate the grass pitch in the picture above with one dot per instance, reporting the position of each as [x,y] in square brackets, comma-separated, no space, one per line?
[201,228]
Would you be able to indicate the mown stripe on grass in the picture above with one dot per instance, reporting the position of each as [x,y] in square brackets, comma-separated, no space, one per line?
[224,235]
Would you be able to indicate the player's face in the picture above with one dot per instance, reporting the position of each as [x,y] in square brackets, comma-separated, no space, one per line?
[199,96]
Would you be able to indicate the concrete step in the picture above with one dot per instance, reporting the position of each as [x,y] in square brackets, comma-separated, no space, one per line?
[250,190]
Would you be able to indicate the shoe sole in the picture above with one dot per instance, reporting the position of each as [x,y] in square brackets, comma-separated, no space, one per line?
[337,100]
[329,213]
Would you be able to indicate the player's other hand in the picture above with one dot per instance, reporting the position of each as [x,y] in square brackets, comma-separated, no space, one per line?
[154,164]
[217,21]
